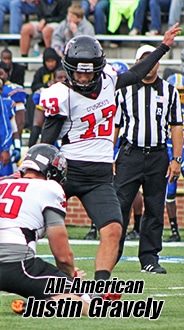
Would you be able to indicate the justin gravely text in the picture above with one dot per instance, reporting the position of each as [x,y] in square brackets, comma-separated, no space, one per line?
[98,308]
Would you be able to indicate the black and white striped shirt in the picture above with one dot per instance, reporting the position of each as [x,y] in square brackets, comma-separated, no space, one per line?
[146,110]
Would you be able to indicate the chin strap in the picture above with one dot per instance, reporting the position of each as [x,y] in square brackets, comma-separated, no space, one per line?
[48,175]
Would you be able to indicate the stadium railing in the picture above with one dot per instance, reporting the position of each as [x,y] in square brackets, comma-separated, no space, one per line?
[8,36]
[107,37]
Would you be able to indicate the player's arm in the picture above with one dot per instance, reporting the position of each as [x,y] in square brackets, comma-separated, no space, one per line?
[58,241]
[52,128]
[37,126]
[139,70]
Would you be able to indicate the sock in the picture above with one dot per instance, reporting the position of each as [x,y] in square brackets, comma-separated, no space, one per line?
[137,218]
[174,226]
[102,275]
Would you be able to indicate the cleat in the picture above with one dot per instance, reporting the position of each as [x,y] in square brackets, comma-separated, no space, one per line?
[154,269]
[132,235]
[173,238]
[112,296]
[19,306]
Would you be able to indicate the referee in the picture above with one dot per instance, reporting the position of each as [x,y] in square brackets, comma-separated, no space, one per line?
[147,108]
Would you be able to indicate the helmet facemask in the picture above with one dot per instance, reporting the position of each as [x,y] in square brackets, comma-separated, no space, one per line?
[91,85]
[58,169]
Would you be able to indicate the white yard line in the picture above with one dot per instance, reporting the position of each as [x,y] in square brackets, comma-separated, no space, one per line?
[168,294]
[96,242]
[163,259]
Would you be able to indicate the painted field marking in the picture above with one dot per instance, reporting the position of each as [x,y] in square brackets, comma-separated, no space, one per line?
[168,295]
[171,259]
[96,242]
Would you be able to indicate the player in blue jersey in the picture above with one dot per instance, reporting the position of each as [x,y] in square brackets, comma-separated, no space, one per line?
[177,80]
[5,135]
[17,94]
[9,127]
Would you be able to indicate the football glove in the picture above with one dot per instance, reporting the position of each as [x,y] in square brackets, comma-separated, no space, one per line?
[15,156]
[16,152]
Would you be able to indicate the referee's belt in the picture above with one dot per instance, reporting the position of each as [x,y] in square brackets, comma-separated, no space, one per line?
[147,149]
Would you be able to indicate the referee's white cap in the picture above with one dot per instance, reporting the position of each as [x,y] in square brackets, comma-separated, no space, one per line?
[142,50]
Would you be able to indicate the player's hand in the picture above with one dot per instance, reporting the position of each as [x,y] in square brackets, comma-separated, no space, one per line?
[15,155]
[4,158]
[79,273]
[171,34]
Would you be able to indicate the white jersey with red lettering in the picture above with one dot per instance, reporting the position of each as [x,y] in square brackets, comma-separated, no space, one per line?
[87,133]
[22,203]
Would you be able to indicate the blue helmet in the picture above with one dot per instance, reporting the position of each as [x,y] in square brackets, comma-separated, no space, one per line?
[119,67]
[177,80]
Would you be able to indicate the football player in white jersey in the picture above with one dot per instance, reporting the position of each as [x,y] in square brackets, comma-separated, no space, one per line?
[31,206]
[81,111]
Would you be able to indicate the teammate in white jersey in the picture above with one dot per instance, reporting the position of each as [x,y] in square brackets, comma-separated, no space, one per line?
[81,111]
[31,206]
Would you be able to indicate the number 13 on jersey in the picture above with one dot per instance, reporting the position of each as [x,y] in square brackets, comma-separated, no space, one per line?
[103,129]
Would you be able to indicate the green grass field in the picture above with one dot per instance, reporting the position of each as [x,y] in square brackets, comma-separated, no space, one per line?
[169,287]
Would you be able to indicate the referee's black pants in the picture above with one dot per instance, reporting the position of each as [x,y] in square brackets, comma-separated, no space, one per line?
[149,170]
